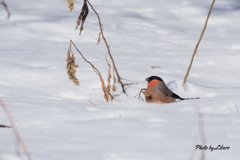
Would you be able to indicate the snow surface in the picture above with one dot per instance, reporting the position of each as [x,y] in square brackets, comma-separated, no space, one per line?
[57,120]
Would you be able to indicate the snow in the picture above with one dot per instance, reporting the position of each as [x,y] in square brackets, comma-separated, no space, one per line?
[58,120]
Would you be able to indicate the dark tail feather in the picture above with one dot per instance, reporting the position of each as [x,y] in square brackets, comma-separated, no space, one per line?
[177,96]
[190,98]
[174,95]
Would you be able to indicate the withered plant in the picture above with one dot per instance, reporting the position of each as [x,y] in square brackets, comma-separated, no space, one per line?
[142,91]
[82,17]
[109,76]
[71,66]
[15,131]
[70,5]
[80,22]
[199,40]
[107,95]
[112,71]
[107,46]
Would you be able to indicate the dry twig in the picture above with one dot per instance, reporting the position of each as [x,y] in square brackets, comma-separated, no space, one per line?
[143,90]
[15,131]
[108,47]
[109,76]
[114,82]
[107,95]
[6,8]
[200,38]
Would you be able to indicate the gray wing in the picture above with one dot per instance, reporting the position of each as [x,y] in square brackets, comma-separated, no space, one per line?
[167,91]
[164,89]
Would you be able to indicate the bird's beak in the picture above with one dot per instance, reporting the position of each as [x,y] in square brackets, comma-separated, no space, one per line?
[147,79]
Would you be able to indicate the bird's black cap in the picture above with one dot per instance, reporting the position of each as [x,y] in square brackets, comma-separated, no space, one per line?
[153,78]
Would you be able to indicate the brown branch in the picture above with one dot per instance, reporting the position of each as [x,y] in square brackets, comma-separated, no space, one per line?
[107,95]
[6,8]
[139,93]
[15,131]
[200,38]
[108,47]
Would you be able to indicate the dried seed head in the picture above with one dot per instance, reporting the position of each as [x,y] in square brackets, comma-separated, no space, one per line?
[82,17]
[105,97]
[71,67]
[70,5]
[114,88]
[76,82]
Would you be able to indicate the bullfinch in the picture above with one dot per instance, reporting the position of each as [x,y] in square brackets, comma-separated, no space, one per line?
[158,92]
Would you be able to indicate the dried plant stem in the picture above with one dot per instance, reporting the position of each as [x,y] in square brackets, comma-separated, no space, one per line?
[200,38]
[15,131]
[139,94]
[202,133]
[109,76]
[92,103]
[107,95]
[6,8]
[108,47]
[193,153]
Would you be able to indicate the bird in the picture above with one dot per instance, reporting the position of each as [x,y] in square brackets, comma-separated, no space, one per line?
[158,92]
